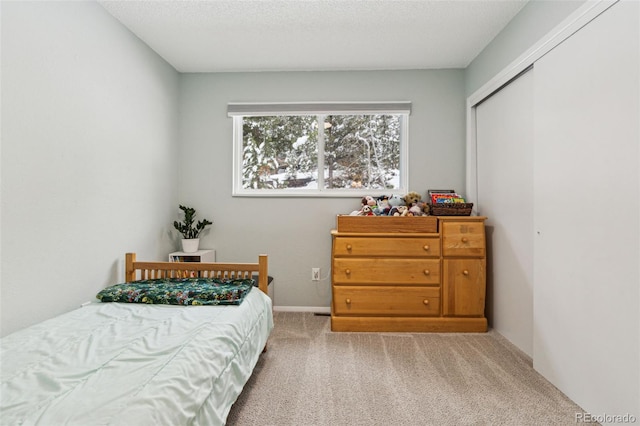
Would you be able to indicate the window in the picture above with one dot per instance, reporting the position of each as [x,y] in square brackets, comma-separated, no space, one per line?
[315,149]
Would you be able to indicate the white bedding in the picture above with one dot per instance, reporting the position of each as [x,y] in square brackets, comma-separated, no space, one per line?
[133,364]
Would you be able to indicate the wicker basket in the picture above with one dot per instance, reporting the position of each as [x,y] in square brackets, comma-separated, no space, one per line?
[451,209]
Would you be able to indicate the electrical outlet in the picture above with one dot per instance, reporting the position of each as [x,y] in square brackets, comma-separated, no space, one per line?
[315,274]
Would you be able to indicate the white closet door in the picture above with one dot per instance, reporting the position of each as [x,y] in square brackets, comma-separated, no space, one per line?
[504,143]
[586,218]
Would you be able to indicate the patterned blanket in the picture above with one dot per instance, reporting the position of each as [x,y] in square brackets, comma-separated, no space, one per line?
[179,291]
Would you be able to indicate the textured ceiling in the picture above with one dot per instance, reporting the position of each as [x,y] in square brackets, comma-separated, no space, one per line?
[277,35]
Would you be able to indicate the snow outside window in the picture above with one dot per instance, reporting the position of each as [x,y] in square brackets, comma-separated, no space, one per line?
[319,149]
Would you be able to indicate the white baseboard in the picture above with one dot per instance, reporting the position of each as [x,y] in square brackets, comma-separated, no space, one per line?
[315,309]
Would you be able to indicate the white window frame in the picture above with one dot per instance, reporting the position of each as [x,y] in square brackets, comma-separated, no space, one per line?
[237,111]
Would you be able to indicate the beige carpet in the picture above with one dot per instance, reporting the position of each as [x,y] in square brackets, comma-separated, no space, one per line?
[312,376]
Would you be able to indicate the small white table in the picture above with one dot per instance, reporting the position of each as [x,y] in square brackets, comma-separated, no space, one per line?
[204,255]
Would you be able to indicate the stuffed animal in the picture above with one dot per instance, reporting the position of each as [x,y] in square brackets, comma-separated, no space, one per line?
[369,201]
[383,207]
[415,210]
[412,198]
[413,201]
[401,211]
[396,201]
[366,211]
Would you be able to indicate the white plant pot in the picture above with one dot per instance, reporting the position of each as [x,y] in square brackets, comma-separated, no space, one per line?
[190,245]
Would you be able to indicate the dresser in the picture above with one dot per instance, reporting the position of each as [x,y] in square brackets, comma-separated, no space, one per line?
[414,274]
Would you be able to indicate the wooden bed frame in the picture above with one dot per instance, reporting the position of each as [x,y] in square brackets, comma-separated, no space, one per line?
[136,270]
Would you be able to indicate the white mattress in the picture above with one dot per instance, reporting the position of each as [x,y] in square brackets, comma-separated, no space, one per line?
[133,364]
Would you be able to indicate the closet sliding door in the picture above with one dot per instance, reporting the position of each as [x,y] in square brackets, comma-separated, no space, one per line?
[504,153]
[587,214]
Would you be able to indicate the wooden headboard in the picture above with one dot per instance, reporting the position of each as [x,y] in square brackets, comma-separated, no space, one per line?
[136,270]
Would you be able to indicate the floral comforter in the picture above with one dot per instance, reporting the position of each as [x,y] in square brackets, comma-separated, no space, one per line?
[179,291]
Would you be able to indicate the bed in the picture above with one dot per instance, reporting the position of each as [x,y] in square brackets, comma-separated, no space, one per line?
[140,363]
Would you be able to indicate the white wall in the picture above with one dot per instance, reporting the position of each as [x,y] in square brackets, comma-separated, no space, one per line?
[89,151]
[295,232]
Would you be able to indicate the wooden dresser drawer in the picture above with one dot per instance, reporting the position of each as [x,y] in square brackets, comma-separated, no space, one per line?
[463,239]
[386,271]
[386,224]
[464,288]
[386,301]
[392,246]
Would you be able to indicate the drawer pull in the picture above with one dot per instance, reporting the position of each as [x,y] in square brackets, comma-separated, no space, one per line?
[465,239]
[425,301]
[347,301]
[347,271]
[349,247]
[427,272]
[426,247]
[465,272]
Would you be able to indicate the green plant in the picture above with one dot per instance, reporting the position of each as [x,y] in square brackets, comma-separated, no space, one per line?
[187,228]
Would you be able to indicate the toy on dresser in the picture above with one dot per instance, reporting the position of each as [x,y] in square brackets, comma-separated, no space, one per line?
[416,206]
[395,201]
[367,205]
[382,208]
[410,204]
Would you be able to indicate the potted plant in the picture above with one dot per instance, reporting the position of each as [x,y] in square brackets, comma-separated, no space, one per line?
[190,231]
